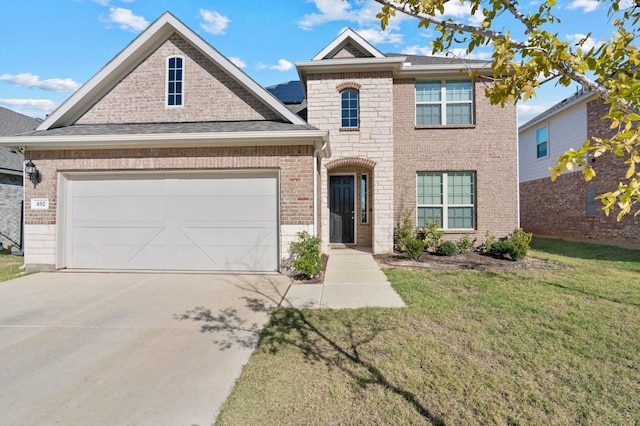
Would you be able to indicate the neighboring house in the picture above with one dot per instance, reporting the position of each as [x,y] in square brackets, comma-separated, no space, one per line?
[172,158]
[568,208]
[11,192]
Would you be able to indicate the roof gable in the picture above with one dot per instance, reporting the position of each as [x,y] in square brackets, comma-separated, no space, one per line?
[349,44]
[123,64]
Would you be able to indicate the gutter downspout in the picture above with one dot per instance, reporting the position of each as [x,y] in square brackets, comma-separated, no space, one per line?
[315,187]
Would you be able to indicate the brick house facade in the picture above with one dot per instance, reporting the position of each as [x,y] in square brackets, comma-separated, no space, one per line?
[226,179]
[567,208]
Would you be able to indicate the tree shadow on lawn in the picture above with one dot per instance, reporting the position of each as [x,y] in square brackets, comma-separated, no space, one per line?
[291,328]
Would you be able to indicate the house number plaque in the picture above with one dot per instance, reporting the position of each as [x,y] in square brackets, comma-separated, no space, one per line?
[39,204]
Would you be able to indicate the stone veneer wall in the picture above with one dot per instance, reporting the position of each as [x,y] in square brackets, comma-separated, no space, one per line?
[10,210]
[558,209]
[141,96]
[373,140]
[488,148]
[294,162]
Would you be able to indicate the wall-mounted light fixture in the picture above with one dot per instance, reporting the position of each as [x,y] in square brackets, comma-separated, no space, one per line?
[32,173]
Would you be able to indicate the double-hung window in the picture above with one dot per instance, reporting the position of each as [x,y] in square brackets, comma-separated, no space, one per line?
[446,198]
[542,142]
[444,102]
[175,77]
[350,108]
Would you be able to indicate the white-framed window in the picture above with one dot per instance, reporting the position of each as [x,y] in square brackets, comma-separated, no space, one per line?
[364,198]
[444,102]
[542,142]
[350,108]
[175,80]
[448,198]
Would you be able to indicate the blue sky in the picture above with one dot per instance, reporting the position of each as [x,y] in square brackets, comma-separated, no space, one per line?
[51,47]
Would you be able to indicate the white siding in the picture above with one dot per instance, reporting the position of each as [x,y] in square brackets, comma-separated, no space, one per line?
[567,129]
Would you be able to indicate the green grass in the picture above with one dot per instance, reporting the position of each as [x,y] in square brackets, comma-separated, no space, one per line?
[471,347]
[9,266]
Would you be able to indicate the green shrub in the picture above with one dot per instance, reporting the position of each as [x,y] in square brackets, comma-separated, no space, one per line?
[515,246]
[519,244]
[465,245]
[414,247]
[306,254]
[432,235]
[489,240]
[447,248]
[405,231]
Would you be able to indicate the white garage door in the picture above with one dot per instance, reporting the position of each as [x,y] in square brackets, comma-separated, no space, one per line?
[223,221]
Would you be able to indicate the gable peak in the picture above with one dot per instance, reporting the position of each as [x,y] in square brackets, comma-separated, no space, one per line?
[349,44]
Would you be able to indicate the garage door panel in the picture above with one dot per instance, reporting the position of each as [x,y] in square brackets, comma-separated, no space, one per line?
[229,208]
[130,187]
[225,222]
[228,258]
[229,186]
[117,208]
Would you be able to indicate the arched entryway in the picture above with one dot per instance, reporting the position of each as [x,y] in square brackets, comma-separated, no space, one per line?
[350,201]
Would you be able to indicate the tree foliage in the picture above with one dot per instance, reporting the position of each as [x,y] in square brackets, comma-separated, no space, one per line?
[519,67]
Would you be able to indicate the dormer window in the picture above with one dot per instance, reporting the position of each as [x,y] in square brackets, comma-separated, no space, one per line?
[174,81]
[350,108]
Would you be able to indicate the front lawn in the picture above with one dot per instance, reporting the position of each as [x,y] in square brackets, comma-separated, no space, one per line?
[471,347]
[9,266]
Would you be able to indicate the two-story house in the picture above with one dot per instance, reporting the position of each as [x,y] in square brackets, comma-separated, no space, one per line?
[568,208]
[172,158]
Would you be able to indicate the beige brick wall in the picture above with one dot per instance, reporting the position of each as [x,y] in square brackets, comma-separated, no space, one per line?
[488,148]
[558,209]
[294,162]
[209,93]
[373,141]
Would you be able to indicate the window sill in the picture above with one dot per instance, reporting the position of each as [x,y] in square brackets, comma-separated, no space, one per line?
[452,126]
[349,129]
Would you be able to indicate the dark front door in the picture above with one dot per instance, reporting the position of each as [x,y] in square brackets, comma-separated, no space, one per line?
[341,209]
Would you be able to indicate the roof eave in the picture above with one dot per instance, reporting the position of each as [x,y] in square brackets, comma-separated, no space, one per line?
[316,138]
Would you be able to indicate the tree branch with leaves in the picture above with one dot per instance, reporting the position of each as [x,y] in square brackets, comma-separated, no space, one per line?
[519,67]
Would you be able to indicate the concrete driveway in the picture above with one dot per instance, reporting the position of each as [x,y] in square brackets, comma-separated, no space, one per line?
[126,348]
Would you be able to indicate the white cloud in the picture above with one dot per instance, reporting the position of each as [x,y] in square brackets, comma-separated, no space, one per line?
[29,80]
[374,36]
[462,11]
[214,23]
[125,19]
[283,65]
[44,105]
[102,2]
[238,62]
[586,5]
[330,10]
[527,112]
[588,44]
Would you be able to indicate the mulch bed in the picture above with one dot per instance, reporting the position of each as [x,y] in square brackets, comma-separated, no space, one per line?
[318,279]
[472,260]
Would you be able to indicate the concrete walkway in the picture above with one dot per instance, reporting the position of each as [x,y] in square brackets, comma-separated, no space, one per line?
[352,280]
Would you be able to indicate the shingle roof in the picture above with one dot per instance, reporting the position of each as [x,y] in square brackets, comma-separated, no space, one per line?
[435,60]
[164,128]
[11,124]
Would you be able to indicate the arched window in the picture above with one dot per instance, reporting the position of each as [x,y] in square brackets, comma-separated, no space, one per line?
[175,78]
[350,109]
